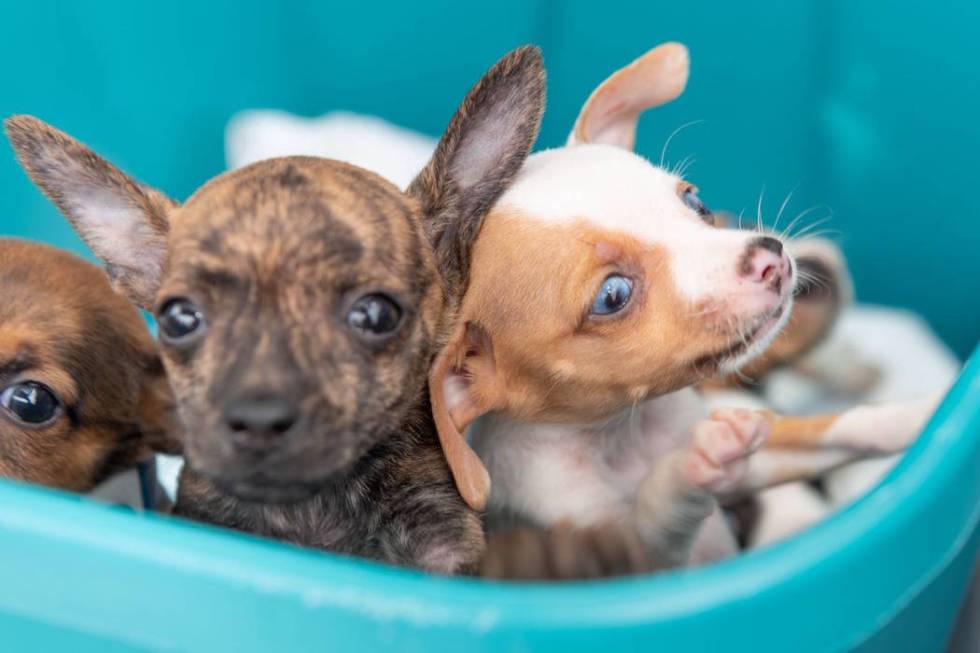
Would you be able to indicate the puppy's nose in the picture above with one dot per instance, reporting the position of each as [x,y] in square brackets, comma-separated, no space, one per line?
[257,421]
[764,262]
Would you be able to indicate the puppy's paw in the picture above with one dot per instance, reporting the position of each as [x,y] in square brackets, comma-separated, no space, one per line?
[716,458]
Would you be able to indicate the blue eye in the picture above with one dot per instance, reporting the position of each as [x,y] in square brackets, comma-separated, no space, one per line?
[613,295]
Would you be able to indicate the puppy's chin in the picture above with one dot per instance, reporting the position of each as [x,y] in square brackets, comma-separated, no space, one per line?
[261,491]
[267,477]
[761,337]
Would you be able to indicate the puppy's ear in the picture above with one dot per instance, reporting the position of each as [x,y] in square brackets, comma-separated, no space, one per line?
[122,221]
[823,271]
[612,111]
[463,384]
[482,149]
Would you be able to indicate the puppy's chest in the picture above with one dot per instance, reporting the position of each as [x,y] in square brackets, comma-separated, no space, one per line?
[323,521]
[399,505]
[586,473]
[624,454]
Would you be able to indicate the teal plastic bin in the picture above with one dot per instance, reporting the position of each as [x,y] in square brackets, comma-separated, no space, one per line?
[867,108]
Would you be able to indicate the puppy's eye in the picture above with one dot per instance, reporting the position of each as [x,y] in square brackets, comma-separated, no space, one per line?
[613,296]
[30,402]
[693,202]
[374,314]
[179,319]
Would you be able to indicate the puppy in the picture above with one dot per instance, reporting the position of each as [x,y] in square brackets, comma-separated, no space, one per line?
[600,293]
[84,398]
[300,304]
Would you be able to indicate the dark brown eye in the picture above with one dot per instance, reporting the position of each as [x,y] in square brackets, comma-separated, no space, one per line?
[30,402]
[179,319]
[693,202]
[374,315]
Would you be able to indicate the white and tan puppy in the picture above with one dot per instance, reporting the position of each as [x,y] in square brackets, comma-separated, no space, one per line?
[600,292]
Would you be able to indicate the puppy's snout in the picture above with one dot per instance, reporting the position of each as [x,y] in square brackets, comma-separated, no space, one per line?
[260,420]
[764,262]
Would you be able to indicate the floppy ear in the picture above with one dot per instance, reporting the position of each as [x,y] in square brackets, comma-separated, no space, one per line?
[463,385]
[612,111]
[122,221]
[481,150]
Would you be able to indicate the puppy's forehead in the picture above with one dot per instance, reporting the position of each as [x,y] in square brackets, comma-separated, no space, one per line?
[301,207]
[57,294]
[611,188]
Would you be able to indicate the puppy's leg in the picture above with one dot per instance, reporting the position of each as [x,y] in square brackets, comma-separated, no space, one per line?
[676,511]
[802,448]
[773,466]
[869,430]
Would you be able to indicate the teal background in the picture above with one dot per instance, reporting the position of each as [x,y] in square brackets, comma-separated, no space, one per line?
[869,109]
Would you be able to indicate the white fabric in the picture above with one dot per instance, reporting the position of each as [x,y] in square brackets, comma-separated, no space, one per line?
[395,153]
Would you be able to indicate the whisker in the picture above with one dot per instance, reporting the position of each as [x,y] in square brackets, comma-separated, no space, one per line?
[810,227]
[663,152]
[829,234]
[782,207]
[799,216]
[681,166]
[758,210]
[686,165]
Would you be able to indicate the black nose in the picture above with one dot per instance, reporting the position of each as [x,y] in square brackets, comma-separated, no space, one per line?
[769,243]
[260,420]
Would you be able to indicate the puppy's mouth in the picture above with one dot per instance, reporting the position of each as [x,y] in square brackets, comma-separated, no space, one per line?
[732,356]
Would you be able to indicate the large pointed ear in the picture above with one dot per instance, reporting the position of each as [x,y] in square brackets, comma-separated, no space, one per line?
[463,384]
[481,150]
[123,222]
[612,111]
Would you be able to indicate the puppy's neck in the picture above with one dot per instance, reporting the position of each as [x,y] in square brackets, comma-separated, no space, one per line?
[659,420]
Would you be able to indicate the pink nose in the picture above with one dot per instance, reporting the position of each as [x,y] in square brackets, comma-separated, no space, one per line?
[764,262]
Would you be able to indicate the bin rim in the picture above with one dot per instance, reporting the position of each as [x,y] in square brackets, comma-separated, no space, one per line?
[326,581]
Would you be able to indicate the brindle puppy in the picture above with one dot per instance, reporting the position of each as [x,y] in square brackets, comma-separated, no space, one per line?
[82,391]
[300,305]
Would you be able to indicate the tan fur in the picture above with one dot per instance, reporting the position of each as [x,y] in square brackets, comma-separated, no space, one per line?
[62,325]
[799,432]
[611,112]
[553,370]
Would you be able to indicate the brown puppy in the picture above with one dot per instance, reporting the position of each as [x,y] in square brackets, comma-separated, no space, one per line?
[83,393]
[300,304]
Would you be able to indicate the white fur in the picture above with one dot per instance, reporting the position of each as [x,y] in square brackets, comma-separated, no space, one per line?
[623,193]
[883,429]
[582,473]
[586,474]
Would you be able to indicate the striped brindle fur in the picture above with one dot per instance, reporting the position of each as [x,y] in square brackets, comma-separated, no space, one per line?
[300,424]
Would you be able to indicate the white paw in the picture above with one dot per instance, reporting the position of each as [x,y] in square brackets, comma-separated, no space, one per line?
[716,458]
